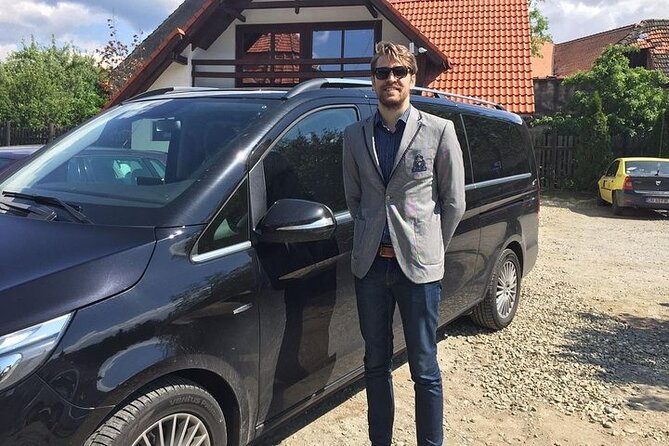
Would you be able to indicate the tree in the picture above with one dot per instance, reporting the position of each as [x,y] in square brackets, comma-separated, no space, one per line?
[40,85]
[115,64]
[593,152]
[538,27]
[632,98]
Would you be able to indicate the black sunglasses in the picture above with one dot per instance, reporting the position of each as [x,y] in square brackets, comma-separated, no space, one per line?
[383,73]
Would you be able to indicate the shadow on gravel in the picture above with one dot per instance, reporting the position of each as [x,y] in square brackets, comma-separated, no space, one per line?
[628,350]
[628,214]
[314,413]
[585,204]
[462,327]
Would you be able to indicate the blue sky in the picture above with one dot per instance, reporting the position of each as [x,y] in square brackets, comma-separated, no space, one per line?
[84,22]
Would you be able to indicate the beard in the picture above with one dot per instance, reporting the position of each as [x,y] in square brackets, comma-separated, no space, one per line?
[393,101]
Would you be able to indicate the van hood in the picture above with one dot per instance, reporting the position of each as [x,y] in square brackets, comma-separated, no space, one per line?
[51,268]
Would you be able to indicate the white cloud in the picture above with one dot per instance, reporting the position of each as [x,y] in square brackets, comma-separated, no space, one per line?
[6,49]
[26,19]
[571,19]
[41,17]
[82,23]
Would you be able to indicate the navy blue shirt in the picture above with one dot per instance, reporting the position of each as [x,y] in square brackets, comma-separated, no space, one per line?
[387,145]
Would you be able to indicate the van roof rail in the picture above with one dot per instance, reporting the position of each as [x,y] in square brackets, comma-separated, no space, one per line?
[459,97]
[317,84]
[160,91]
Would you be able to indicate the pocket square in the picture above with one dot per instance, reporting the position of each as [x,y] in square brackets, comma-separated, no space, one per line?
[419,164]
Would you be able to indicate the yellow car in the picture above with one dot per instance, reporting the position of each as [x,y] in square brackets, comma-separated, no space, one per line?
[636,183]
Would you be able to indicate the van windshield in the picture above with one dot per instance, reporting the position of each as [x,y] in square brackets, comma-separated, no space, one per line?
[136,158]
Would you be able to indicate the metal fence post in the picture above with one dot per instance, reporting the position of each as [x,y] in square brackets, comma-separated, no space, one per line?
[52,132]
[8,133]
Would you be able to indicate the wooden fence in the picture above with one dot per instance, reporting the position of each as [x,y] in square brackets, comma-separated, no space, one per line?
[15,136]
[555,157]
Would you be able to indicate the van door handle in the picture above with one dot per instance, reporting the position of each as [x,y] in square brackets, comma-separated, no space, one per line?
[242,309]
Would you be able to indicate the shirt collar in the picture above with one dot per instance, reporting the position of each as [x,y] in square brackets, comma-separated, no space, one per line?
[404,118]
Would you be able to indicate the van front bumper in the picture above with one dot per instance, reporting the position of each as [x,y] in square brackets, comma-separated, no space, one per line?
[32,414]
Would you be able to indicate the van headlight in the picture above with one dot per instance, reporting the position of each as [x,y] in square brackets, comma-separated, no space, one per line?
[23,351]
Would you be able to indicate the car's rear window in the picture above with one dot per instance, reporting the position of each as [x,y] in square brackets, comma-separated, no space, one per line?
[138,157]
[646,168]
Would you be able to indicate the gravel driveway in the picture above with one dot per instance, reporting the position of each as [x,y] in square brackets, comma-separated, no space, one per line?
[586,361]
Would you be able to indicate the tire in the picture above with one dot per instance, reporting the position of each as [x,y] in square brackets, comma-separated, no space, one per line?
[600,200]
[495,311]
[176,407]
[617,210]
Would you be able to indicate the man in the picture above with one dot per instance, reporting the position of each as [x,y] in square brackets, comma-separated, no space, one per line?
[404,182]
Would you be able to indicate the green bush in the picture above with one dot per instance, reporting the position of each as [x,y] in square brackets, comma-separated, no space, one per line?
[42,85]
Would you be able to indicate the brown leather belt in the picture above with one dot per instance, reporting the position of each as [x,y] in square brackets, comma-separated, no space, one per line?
[387,252]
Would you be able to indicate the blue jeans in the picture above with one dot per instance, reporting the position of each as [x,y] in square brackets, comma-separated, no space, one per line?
[377,292]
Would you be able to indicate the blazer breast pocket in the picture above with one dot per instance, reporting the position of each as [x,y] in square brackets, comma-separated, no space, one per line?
[418,163]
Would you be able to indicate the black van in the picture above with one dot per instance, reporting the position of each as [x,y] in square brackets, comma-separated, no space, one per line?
[209,303]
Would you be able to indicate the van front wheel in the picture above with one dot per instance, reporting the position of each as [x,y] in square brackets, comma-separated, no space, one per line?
[172,412]
[499,306]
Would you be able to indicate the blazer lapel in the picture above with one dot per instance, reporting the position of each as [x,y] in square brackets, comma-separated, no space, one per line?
[368,134]
[410,130]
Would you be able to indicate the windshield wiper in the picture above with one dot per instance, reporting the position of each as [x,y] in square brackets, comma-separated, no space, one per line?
[48,201]
[25,210]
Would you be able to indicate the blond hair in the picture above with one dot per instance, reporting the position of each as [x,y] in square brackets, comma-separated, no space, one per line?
[392,51]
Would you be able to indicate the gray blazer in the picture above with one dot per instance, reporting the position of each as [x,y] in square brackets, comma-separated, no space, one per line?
[424,200]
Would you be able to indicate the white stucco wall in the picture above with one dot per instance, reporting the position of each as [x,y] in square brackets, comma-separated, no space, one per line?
[176,75]
[224,46]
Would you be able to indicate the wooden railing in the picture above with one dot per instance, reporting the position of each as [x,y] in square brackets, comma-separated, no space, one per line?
[298,69]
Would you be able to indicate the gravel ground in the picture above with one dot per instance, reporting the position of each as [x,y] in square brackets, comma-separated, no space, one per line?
[585,362]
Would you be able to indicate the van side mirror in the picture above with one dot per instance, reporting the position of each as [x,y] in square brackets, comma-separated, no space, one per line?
[295,221]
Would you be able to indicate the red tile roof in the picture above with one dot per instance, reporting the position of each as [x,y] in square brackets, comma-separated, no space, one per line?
[652,35]
[488,42]
[580,54]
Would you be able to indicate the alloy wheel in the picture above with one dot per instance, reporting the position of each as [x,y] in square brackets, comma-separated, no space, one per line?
[180,429]
[507,289]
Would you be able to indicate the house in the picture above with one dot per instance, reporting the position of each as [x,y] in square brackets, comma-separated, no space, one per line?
[650,36]
[565,59]
[469,47]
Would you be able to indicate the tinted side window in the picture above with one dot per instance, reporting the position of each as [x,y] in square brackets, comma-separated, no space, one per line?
[306,162]
[613,168]
[497,148]
[443,112]
[230,226]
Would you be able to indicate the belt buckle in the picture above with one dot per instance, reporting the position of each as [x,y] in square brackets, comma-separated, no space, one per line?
[387,252]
